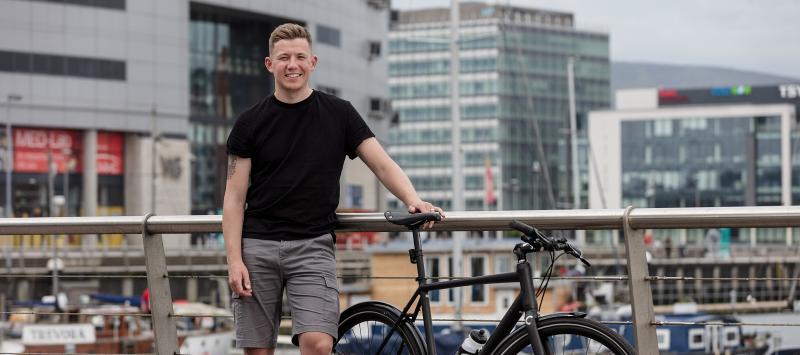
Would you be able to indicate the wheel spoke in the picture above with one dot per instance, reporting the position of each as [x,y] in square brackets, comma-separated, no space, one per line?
[571,337]
[372,333]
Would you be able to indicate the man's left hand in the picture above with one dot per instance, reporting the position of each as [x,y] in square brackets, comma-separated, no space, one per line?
[425,207]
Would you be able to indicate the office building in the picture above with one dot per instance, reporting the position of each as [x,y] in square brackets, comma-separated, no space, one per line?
[85,86]
[513,102]
[702,147]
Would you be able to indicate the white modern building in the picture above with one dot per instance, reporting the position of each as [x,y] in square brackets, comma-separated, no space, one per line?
[725,146]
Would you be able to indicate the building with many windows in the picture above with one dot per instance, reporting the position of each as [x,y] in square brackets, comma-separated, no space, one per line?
[86,85]
[724,146]
[513,102]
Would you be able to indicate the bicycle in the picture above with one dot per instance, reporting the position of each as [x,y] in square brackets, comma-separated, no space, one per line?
[379,328]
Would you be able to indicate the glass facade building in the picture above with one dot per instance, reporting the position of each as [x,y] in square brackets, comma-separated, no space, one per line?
[227,50]
[714,147]
[514,104]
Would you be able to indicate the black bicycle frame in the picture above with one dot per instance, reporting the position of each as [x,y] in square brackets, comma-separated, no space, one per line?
[525,304]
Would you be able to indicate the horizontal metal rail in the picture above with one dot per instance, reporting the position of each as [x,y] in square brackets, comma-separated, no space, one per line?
[655,218]
[631,221]
[352,277]
[667,324]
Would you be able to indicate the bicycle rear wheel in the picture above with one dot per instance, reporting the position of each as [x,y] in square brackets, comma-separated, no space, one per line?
[364,327]
[569,336]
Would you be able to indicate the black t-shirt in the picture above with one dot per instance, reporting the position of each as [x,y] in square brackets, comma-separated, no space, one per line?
[297,153]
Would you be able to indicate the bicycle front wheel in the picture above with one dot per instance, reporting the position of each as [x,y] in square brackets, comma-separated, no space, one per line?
[569,336]
[366,329]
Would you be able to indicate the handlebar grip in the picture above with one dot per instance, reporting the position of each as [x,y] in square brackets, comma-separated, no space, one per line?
[522,227]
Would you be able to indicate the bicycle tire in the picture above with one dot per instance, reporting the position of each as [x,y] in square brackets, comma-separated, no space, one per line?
[363,327]
[571,336]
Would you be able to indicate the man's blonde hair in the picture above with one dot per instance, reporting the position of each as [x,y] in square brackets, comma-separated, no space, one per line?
[288,31]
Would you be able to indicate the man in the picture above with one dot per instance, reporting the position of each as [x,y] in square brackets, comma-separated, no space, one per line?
[278,230]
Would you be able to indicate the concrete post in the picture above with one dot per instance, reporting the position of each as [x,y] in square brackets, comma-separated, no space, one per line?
[164,327]
[640,293]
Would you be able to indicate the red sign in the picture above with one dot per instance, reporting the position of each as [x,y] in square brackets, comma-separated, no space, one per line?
[33,146]
[65,148]
[671,96]
[110,153]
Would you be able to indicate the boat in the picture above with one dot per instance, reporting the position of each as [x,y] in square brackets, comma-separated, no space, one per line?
[793,350]
[691,332]
[112,328]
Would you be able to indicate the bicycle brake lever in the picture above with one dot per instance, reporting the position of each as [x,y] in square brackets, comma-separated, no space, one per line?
[575,252]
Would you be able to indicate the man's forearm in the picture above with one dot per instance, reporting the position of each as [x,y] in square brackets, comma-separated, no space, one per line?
[232,217]
[398,183]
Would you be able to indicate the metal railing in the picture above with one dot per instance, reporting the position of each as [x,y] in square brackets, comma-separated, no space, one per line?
[631,221]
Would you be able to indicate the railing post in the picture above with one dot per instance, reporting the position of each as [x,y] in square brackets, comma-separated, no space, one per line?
[639,287]
[164,328]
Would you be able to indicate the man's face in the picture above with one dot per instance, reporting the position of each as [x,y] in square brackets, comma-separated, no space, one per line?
[291,63]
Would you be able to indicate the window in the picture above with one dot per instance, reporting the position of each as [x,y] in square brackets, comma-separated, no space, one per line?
[355,196]
[35,63]
[433,271]
[478,292]
[503,263]
[329,35]
[375,104]
[374,49]
[108,4]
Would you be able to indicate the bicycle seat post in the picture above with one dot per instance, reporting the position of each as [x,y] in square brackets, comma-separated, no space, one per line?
[417,258]
[415,255]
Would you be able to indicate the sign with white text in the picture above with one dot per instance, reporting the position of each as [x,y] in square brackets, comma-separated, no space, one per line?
[58,334]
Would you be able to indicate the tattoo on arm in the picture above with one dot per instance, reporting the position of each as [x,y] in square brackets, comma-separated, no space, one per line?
[231,166]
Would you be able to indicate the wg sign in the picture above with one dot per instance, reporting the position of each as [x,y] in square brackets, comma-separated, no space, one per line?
[58,334]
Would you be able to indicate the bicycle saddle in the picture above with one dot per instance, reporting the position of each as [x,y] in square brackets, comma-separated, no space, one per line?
[412,220]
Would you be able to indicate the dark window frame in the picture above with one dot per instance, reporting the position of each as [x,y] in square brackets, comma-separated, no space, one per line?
[59,65]
[329,35]
[105,4]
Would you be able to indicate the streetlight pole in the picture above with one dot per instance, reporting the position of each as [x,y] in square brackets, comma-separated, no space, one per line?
[458,175]
[153,153]
[580,235]
[9,152]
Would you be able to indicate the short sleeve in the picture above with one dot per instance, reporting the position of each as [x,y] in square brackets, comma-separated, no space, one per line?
[239,138]
[357,130]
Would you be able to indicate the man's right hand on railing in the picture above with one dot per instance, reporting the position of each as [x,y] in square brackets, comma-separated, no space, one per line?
[239,279]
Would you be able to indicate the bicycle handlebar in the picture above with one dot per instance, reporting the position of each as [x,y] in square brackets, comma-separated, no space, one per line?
[532,236]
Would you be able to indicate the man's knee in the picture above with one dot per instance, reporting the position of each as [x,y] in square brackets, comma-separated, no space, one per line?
[316,343]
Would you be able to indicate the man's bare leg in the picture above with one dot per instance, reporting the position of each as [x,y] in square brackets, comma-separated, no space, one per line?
[258,351]
[315,343]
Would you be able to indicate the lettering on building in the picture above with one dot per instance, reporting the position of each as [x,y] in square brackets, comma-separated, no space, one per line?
[171,167]
[789,91]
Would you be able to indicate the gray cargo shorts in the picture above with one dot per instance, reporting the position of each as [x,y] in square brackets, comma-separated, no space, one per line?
[306,268]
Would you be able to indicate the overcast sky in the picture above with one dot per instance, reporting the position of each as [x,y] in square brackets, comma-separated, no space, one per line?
[755,35]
